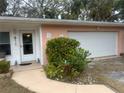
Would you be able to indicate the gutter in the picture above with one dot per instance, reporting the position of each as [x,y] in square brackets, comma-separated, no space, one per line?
[57,22]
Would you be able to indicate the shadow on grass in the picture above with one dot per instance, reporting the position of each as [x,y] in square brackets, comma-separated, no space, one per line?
[7,85]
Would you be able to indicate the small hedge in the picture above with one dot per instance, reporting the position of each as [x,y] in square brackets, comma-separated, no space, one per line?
[4,66]
[60,49]
[66,60]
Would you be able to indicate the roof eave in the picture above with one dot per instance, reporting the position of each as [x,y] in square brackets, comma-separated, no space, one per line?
[57,22]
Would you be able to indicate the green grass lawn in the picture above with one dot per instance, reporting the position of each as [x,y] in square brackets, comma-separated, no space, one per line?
[9,86]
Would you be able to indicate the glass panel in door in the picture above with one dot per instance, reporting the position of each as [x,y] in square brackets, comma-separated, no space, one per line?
[27,43]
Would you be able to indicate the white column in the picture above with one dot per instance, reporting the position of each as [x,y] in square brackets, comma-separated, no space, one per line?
[41,45]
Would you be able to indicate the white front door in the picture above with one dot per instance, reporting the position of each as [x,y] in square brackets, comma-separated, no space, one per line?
[27,40]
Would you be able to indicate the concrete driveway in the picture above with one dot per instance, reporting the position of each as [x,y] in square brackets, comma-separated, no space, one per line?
[116,75]
[36,81]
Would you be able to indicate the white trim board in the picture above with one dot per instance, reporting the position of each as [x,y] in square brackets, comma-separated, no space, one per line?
[41,45]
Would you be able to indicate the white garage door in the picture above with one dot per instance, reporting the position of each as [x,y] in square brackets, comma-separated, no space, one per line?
[98,43]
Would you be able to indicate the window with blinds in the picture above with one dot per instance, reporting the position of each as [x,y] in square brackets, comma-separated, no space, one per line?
[5,43]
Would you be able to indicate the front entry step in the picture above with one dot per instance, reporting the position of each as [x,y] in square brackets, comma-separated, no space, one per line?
[25,64]
[32,66]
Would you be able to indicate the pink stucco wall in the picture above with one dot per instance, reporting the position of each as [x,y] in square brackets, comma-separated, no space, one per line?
[58,30]
[121,41]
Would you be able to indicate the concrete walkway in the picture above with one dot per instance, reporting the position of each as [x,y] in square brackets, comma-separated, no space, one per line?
[36,81]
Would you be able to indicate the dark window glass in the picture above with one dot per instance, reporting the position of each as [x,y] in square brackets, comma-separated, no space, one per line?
[27,43]
[5,43]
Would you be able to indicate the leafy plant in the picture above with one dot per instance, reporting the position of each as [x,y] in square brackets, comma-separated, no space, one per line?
[60,49]
[65,59]
[54,72]
[4,66]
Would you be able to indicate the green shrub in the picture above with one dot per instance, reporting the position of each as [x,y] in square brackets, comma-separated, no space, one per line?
[54,72]
[60,49]
[79,59]
[4,66]
[61,72]
[65,59]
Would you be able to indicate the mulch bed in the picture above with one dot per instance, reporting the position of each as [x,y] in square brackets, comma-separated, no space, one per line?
[6,75]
